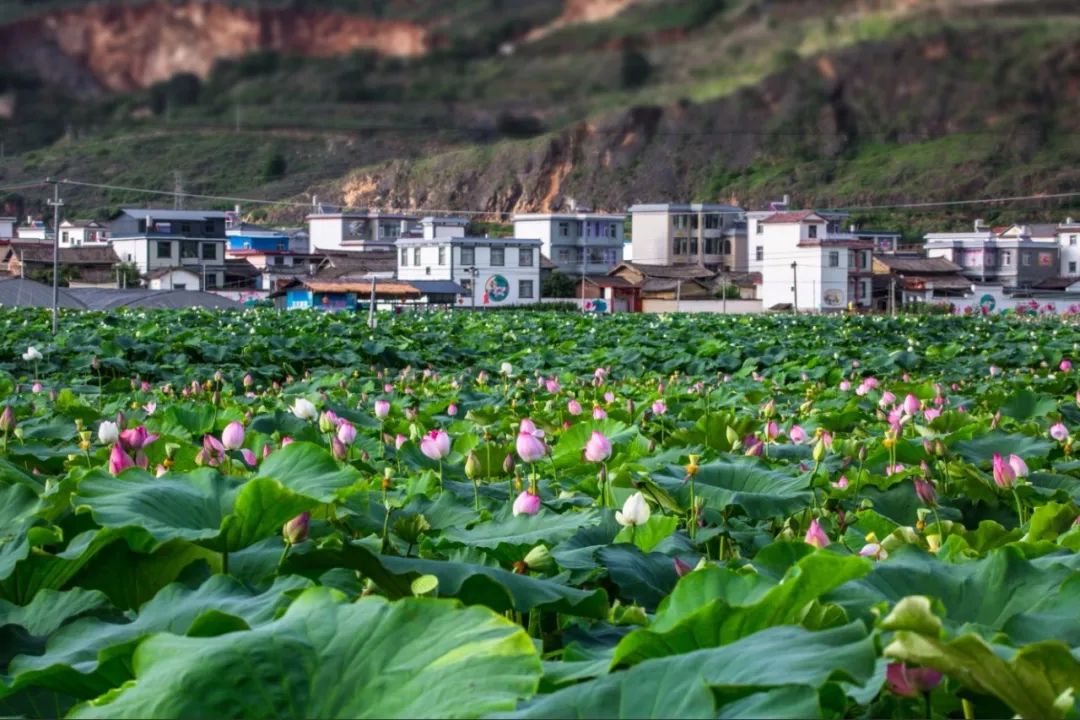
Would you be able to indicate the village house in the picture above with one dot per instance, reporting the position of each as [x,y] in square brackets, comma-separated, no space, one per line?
[807,261]
[704,234]
[161,239]
[577,243]
[358,231]
[494,272]
[1067,236]
[83,233]
[1013,257]
[908,278]
[87,266]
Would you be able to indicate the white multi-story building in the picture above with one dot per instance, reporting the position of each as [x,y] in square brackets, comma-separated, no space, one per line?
[83,233]
[494,271]
[694,234]
[1016,256]
[806,262]
[576,242]
[161,239]
[1068,239]
[372,230]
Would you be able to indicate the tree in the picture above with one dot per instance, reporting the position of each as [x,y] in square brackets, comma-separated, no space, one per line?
[636,68]
[275,166]
[558,285]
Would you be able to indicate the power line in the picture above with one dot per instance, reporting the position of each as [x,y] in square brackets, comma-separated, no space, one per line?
[457,211]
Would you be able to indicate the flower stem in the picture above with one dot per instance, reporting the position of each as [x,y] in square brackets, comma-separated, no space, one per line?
[284,555]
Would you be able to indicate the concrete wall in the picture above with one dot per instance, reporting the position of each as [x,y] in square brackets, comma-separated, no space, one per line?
[651,238]
[734,307]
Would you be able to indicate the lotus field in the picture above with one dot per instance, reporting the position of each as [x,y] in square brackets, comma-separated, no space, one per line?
[538,515]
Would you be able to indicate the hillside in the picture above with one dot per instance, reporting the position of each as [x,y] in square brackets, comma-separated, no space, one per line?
[503,106]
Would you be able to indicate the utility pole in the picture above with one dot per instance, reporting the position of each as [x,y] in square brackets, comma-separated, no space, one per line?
[892,295]
[723,295]
[584,266]
[56,202]
[371,306]
[795,286]
[178,190]
[678,294]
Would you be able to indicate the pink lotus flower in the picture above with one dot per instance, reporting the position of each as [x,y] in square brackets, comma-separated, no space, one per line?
[119,461]
[526,503]
[682,568]
[160,471]
[753,446]
[451,409]
[842,483]
[346,433]
[249,457]
[1065,366]
[771,430]
[382,409]
[232,437]
[552,385]
[816,536]
[136,438]
[994,371]
[529,426]
[887,399]
[873,550]
[797,434]
[1004,475]
[845,385]
[598,448]
[399,440]
[435,445]
[870,382]
[35,388]
[894,469]
[530,447]
[338,449]
[609,397]
[911,404]
[925,492]
[659,407]
[388,388]
[287,440]
[931,414]
[150,407]
[573,407]
[1019,467]
[911,682]
[1059,432]
[598,413]
[861,389]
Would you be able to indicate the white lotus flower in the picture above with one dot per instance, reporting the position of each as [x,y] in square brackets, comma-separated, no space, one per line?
[108,432]
[506,369]
[304,410]
[635,511]
[32,353]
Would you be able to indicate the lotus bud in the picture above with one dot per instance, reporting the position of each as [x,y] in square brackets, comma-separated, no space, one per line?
[326,422]
[232,437]
[925,492]
[732,436]
[119,460]
[508,463]
[338,449]
[816,536]
[682,568]
[7,420]
[635,511]
[911,682]
[819,450]
[95,363]
[527,504]
[862,453]
[472,466]
[248,380]
[296,530]
[768,409]
[539,559]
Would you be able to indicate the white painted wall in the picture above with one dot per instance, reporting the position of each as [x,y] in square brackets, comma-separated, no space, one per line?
[453,268]
[820,285]
[1069,241]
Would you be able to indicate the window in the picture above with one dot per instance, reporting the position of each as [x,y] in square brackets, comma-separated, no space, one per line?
[64,237]
[416,256]
[498,256]
[1072,239]
[564,229]
[525,289]
[164,249]
[712,222]
[727,247]
[611,256]
[595,256]
[468,256]
[564,255]
[189,249]
[1006,258]
[278,260]
[760,228]
[404,257]
[759,253]
[209,251]
[211,280]
[442,255]
[389,230]
[834,257]
[185,228]
[525,258]
[1072,267]
[1025,259]
[208,229]
[813,231]
[693,246]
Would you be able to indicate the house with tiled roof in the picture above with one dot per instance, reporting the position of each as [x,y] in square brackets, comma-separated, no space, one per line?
[809,260]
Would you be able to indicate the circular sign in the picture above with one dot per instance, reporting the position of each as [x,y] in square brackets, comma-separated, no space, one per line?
[497,288]
[987,302]
[834,297]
